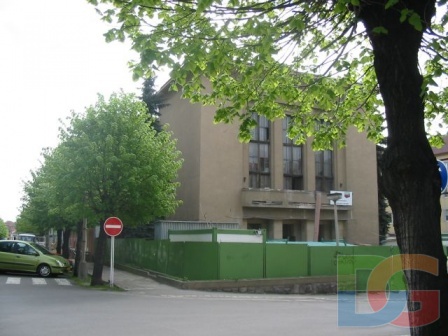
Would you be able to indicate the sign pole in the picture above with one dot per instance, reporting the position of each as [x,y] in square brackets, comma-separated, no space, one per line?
[112,253]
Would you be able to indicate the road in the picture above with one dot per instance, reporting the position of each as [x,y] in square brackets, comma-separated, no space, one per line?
[55,307]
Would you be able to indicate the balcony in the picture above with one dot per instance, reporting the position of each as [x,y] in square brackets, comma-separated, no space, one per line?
[275,198]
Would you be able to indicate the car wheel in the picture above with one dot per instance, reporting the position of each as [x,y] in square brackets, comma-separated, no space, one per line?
[44,270]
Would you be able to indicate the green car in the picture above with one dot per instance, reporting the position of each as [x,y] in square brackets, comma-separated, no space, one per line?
[22,256]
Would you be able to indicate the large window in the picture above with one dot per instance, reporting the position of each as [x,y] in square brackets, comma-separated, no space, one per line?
[324,170]
[292,161]
[259,156]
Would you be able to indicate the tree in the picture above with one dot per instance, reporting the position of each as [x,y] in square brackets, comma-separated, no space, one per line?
[111,162]
[333,61]
[4,232]
[153,100]
[37,214]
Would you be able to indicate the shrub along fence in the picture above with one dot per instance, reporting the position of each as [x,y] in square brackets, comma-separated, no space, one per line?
[235,261]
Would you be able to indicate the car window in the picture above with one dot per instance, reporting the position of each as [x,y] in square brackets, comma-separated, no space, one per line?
[22,248]
[5,246]
[41,249]
[18,248]
[28,250]
[15,248]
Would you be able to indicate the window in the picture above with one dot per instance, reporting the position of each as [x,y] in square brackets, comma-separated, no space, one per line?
[5,246]
[292,161]
[259,156]
[446,215]
[324,170]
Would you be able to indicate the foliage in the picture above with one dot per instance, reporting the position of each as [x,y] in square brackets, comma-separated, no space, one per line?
[275,57]
[153,100]
[37,214]
[23,225]
[111,162]
[4,232]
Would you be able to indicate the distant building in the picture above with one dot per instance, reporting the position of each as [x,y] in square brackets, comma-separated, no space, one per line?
[271,183]
[11,228]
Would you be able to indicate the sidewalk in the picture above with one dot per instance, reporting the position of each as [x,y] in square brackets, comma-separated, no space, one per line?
[133,282]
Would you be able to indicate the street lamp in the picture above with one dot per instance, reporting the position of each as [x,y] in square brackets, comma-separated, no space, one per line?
[335,197]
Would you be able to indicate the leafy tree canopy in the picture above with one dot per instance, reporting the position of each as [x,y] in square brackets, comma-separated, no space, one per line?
[38,215]
[111,162]
[277,57]
[4,232]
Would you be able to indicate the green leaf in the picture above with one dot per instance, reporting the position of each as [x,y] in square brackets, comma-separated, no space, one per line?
[391,3]
[416,21]
[380,30]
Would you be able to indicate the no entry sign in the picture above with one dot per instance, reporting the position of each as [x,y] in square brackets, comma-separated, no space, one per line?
[113,226]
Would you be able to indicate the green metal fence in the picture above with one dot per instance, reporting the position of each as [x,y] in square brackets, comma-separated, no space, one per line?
[218,261]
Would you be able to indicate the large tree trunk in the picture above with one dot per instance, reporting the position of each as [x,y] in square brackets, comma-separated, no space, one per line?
[99,259]
[410,173]
[66,243]
[59,242]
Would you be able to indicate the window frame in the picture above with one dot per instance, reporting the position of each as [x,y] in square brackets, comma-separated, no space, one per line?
[324,182]
[260,144]
[296,180]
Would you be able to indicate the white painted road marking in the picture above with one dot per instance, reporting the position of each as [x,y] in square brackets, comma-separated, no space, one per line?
[63,282]
[13,281]
[39,281]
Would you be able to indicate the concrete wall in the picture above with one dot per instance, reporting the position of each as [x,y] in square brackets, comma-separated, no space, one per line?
[361,178]
[183,120]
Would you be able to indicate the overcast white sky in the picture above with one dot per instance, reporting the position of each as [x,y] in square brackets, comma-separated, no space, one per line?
[53,60]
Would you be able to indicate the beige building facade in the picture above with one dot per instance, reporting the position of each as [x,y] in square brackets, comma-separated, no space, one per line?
[270,183]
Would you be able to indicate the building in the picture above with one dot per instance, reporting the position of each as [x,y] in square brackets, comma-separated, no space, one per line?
[442,155]
[270,183]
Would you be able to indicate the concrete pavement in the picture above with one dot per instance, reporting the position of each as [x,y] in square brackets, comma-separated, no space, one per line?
[131,281]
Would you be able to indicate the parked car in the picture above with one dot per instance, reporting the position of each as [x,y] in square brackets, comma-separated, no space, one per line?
[28,237]
[22,256]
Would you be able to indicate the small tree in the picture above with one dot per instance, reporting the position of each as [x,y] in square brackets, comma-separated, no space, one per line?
[38,214]
[4,232]
[111,162]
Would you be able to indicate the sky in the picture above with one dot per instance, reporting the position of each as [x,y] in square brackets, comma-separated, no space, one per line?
[54,59]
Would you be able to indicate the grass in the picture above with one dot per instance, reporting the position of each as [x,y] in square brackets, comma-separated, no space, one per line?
[86,283]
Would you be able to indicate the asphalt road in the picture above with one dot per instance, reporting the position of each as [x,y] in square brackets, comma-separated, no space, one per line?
[55,307]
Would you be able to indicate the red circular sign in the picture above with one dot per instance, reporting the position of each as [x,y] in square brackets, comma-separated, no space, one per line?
[113,226]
